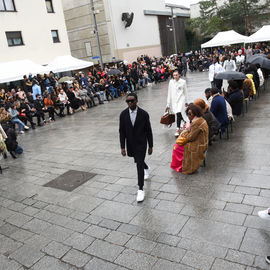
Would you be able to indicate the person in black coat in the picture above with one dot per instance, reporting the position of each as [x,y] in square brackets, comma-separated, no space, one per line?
[135,132]
[235,97]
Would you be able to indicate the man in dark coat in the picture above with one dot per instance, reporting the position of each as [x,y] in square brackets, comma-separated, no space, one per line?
[135,132]
[235,98]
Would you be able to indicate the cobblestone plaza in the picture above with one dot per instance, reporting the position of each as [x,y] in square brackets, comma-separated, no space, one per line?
[203,221]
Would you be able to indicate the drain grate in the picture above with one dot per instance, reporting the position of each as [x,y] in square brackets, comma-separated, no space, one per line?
[70,180]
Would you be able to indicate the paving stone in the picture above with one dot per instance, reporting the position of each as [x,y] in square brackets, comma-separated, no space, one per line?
[118,238]
[8,245]
[256,201]
[168,252]
[125,198]
[40,204]
[197,260]
[57,233]
[8,229]
[140,244]
[149,234]
[49,263]
[37,241]
[228,197]
[251,180]
[18,219]
[36,225]
[239,208]
[97,264]
[176,189]
[21,235]
[168,239]
[227,217]
[97,232]
[163,264]
[195,211]
[30,211]
[247,190]
[79,241]
[109,224]
[240,257]
[7,264]
[26,256]
[104,250]
[256,242]
[107,194]
[78,215]
[93,219]
[130,229]
[76,225]
[260,263]
[206,230]
[47,216]
[166,196]
[76,258]
[18,207]
[220,264]
[116,211]
[56,249]
[173,207]
[134,260]
[257,223]
[160,221]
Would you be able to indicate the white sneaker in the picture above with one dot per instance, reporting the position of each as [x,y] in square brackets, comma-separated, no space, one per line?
[146,173]
[140,195]
[176,134]
[26,127]
[21,132]
[264,214]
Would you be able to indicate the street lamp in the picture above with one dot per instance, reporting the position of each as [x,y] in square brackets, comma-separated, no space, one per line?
[97,35]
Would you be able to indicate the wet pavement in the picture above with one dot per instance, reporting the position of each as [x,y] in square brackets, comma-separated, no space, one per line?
[203,221]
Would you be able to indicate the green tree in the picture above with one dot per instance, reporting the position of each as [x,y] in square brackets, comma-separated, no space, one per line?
[240,15]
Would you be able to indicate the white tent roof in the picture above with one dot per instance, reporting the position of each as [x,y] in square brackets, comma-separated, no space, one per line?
[14,70]
[67,63]
[225,38]
[261,35]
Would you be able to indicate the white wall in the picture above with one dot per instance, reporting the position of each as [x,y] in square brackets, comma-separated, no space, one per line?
[35,24]
[144,30]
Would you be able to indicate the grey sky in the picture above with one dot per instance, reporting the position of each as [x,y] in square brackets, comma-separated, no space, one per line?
[182,2]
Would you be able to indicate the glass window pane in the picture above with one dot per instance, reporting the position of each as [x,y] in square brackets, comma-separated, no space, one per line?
[9,5]
[2,7]
[10,42]
[49,6]
[54,34]
[17,41]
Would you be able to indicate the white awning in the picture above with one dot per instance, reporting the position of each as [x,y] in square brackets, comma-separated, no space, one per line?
[261,35]
[67,63]
[225,38]
[15,70]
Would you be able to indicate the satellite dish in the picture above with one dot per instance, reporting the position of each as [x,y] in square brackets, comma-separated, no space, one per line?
[127,18]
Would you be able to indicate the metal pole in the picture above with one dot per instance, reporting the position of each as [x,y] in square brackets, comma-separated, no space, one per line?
[174,33]
[97,36]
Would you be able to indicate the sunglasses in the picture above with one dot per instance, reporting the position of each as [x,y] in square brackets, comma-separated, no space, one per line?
[130,100]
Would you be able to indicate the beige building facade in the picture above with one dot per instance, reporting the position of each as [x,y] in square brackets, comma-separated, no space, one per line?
[117,41]
[32,29]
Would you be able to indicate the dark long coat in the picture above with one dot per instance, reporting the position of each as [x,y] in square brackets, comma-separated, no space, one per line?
[135,139]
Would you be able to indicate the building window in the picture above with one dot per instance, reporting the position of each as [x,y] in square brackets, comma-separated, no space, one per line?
[7,5]
[88,49]
[14,38]
[55,36]
[49,6]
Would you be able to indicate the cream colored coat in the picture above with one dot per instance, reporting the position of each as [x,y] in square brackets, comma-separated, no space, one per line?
[177,96]
[3,134]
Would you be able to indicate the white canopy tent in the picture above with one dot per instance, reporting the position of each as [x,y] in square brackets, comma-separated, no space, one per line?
[15,70]
[261,35]
[225,38]
[67,63]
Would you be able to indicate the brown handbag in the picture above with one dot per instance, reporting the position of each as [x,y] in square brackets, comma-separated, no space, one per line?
[167,119]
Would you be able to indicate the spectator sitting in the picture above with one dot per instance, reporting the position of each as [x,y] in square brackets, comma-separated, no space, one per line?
[14,118]
[235,98]
[39,106]
[218,108]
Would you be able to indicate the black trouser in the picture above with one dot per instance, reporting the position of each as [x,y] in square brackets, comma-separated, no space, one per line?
[40,114]
[50,110]
[179,118]
[141,166]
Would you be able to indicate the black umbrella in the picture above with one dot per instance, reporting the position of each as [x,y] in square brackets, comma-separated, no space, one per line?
[114,72]
[260,59]
[230,75]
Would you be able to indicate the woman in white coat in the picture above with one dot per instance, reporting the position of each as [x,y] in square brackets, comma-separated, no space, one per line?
[177,98]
